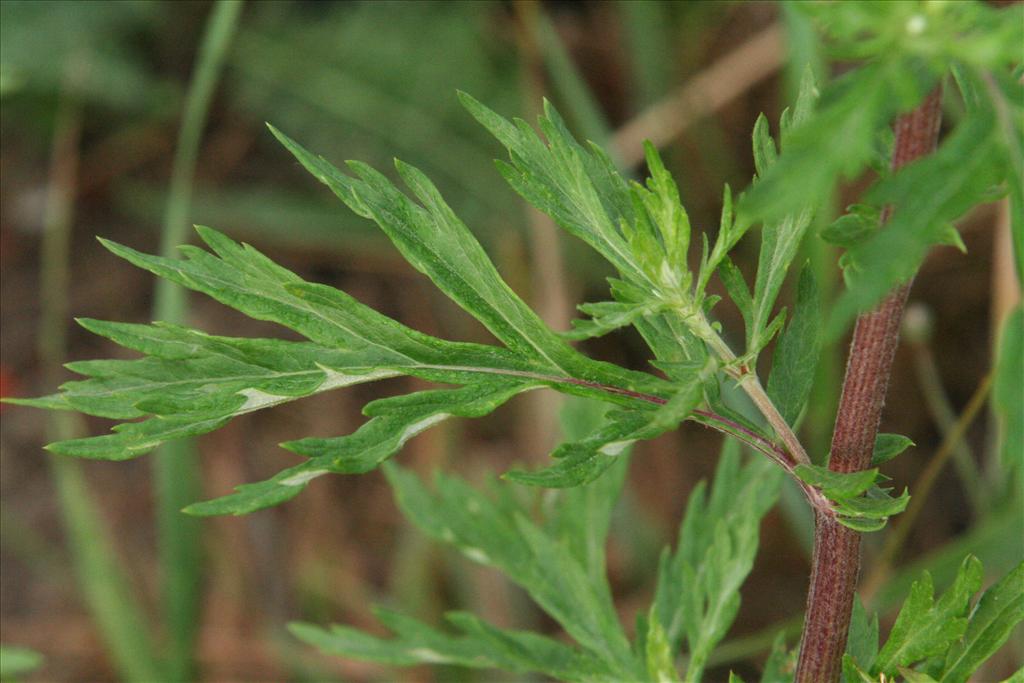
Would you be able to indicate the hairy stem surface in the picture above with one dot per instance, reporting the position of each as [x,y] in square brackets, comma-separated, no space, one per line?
[836,558]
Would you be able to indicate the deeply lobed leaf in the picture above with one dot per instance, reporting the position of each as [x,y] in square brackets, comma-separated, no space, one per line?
[697,595]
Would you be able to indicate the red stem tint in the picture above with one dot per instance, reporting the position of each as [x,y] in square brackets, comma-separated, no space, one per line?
[836,558]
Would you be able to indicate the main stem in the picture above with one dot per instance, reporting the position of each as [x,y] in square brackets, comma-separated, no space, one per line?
[836,558]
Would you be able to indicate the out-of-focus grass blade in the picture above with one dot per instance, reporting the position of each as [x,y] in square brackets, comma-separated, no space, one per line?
[570,87]
[175,472]
[101,580]
[100,577]
[648,26]
[15,661]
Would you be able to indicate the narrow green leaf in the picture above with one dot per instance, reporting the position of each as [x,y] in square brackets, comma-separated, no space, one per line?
[925,627]
[992,621]
[852,228]
[958,175]
[191,383]
[580,517]
[853,673]
[578,188]
[477,645]
[736,286]
[697,594]
[888,446]
[583,461]
[781,662]
[394,421]
[765,152]
[607,316]
[863,525]
[779,244]
[497,534]
[439,245]
[877,504]
[837,485]
[862,641]
[912,676]
[838,141]
[1006,391]
[658,654]
[796,354]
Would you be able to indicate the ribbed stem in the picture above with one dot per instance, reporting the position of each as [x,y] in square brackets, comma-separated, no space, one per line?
[836,558]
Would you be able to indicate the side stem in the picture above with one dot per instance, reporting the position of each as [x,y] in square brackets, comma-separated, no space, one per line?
[836,557]
[751,385]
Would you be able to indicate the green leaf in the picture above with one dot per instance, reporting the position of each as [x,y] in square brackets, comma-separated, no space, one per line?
[729,233]
[658,654]
[959,175]
[781,662]
[607,316]
[853,673]
[697,595]
[580,516]
[796,354]
[736,286]
[477,645]
[496,533]
[871,511]
[765,152]
[1016,677]
[1006,392]
[854,227]
[862,640]
[190,383]
[663,208]
[992,621]
[394,421]
[863,525]
[838,140]
[949,236]
[193,382]
[888,446]
[926,627]
[642,230]
[439,245]
[15,661]
[779,243]
[582,461]
[578,187]
[837,485]
[912,676]
[857,501]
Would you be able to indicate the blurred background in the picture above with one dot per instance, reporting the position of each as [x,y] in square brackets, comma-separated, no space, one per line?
[93,95]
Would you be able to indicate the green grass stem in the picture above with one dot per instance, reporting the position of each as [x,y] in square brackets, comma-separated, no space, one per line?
[101,579]
[175,472]
[568,84]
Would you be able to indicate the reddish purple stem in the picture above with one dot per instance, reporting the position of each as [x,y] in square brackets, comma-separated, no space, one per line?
[836,558]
